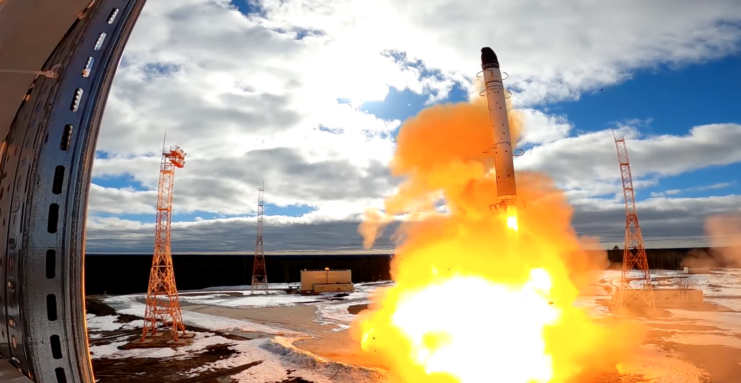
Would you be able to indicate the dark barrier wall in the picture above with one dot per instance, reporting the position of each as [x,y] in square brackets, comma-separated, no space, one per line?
[127,274]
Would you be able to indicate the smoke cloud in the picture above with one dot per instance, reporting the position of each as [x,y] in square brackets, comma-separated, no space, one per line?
[464,281]
[724,232]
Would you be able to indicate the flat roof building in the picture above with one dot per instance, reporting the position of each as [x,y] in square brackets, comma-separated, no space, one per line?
[324,281]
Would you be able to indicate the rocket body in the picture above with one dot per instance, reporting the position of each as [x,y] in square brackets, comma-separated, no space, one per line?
[503,160]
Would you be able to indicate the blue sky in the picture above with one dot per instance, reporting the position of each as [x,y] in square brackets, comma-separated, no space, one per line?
[669,100]
[672,100]
[272,80]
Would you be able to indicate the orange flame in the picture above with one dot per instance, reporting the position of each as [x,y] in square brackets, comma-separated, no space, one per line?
[512,217]
[472,302]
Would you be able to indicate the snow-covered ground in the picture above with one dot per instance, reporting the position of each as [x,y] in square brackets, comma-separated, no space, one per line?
[658,361]
[128,305]
[248,287]
[279,360]
[721,283]
[655,365]
[242,297]
[272,299]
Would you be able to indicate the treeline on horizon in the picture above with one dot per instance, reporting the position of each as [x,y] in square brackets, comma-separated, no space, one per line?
[194,271]
[612,253]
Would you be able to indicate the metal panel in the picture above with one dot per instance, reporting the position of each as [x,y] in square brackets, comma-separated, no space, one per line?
[29,32]
[44,183]
[333,287]
[9,374]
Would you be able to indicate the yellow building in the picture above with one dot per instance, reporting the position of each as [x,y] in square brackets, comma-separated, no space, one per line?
[326,281]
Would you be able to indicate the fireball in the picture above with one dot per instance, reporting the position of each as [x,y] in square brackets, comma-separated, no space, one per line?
[480,297]
[442,343]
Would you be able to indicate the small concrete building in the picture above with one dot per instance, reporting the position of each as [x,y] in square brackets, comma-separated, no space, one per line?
[325,281]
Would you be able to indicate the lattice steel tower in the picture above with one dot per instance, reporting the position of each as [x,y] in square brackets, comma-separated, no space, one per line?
[162,296]
[259,273]
[632,283]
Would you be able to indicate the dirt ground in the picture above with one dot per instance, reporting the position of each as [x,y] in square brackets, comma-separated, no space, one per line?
[339,345]
[334,345]
[721,363]
[160,370]
[296,318]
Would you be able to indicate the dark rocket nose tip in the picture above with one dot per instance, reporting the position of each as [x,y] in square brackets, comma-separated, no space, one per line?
[488,58]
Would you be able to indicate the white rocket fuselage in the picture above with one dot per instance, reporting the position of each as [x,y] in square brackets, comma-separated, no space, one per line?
[503,160]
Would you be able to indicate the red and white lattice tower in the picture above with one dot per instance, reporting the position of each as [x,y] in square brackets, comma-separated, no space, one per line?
[635,279]
[163,304]
[259,273]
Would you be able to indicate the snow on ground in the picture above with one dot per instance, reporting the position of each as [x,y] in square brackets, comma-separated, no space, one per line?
[719,282]
[337,312]
[320,368]
[104,323]
[128,305]
[224,296]
[723,320]
[704,339]
[200,342]
[591,306]
[276,356]
[658,366]
[273,299]
[732,303]
[249,287]
[279,354]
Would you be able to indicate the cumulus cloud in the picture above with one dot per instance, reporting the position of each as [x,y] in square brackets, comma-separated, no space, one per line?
[581,160]
[719,185]
[552,50]
[666,222]
[281,234]
[670,222]
[255,97]
[541,128]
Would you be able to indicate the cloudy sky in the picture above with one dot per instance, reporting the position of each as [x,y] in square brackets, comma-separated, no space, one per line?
[309,95]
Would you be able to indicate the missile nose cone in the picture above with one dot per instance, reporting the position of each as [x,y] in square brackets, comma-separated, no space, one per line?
[488,58]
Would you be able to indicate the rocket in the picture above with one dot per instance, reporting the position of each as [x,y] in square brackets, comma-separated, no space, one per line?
[503,160]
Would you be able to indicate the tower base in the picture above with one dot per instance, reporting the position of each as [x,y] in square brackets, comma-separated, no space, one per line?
[160,340]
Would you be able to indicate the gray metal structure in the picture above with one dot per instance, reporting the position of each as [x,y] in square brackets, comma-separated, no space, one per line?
[49,123]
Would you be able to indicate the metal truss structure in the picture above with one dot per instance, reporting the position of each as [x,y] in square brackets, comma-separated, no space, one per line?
[259,273]
[635,280]
[163,304]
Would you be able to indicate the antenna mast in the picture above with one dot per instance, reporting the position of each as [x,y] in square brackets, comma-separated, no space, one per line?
[163,304]
[259,273]
[632,283]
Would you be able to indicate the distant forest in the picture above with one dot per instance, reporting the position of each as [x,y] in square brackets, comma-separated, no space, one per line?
[193,271]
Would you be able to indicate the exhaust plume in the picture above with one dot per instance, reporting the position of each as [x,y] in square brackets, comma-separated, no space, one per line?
[474,300]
